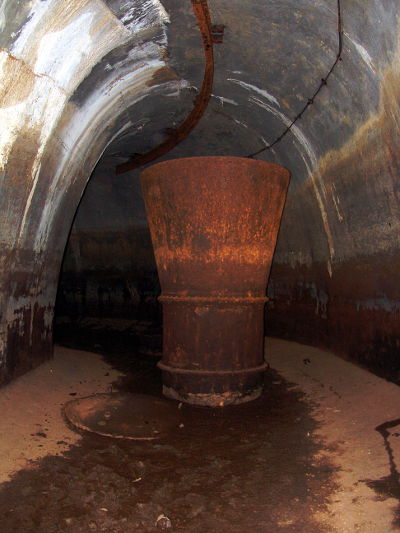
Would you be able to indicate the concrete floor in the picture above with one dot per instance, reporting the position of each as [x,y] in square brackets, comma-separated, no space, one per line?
[349,403]
[32,425]
[332,465]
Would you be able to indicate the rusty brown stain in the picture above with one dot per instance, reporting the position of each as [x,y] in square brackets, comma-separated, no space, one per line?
[175,136]
[22,157]
[366,166]
[23,80]
[373,146]
[162,75]
[29,340]
[362,316]
[214,223]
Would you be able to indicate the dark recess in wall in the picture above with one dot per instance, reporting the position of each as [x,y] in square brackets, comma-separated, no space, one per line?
[108,291]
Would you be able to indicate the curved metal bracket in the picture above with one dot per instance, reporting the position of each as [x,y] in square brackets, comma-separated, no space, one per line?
[200,8]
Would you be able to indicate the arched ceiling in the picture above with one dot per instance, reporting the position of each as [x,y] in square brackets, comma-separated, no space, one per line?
[270,62]
[94,82]
[116,76]
[272,59]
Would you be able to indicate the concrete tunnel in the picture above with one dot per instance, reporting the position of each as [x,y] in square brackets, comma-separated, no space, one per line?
[88,85]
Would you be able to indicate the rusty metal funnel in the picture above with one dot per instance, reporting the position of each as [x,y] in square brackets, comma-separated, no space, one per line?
[214,223]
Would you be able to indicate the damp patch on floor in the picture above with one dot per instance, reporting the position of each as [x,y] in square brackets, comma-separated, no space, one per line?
[319,451]
[251,467]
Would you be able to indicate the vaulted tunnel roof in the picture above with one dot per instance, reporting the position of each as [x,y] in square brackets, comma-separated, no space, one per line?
[93,82]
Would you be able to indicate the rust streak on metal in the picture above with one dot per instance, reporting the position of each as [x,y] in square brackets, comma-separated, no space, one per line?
[214,299]
[213,373]
[213,302]
[175,136]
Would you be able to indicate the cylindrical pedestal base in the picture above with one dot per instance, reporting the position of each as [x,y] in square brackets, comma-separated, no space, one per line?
[213,389]
[213,349]
[214,223]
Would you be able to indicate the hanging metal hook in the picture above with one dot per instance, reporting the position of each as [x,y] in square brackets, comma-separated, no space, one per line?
[175,136]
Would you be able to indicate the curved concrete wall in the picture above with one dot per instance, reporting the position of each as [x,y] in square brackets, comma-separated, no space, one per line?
[53,133]
[93,79]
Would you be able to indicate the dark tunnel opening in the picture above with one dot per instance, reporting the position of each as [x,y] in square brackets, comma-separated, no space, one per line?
[107,296]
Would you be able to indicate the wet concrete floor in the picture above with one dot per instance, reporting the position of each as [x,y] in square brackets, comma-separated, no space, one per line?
[267,466]
[247,468]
